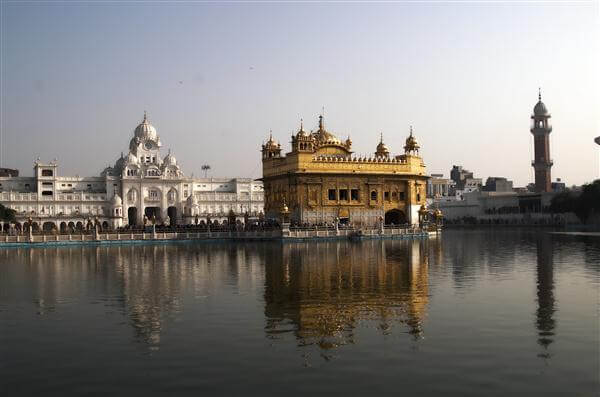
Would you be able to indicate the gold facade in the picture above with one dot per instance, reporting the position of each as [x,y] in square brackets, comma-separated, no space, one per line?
[320,181]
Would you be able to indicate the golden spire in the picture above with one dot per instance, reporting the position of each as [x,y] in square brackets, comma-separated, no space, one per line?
[301,124]
[540,94]
[320,122]
[145,117]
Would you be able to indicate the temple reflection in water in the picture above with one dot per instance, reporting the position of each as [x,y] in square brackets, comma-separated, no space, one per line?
[320,292]
[147,283]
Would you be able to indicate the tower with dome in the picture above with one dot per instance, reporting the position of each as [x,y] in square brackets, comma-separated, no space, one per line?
[541,128]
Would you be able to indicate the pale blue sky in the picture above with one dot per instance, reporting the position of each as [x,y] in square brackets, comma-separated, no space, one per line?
[76,78]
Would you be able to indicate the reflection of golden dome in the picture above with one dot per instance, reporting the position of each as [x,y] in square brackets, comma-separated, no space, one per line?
[284,208]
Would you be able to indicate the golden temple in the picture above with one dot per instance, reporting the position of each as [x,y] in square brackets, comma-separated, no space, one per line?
[321,181]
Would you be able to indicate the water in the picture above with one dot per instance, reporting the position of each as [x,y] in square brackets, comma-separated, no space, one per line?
[506,312]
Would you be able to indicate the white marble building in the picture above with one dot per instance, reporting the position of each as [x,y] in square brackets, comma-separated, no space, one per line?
[140,184]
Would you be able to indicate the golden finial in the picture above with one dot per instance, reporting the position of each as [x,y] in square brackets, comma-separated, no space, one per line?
[301,124]
[411,130]
[540,94]
[320,122]
[145,117]
[381,137]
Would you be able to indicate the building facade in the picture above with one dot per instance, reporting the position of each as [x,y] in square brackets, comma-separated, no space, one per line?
[140,187]
[542,163]
[320,181]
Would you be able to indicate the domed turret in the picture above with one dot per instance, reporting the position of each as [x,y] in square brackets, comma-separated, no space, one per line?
[411,146]
[116,201]
[271,148]
[540,108]
[170,159]
[382,150]
[301,133]
[145,130]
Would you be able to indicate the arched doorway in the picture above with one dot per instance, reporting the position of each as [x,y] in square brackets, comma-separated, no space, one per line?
[172,213]
[104,226]
[79,226]
[132,216]
[395,217]
[152,212]
[48,226]
[63,227]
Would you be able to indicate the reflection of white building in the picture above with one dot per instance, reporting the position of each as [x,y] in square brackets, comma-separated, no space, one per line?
[141,183]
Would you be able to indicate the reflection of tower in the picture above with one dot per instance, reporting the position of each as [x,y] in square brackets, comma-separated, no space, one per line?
[541,128]
[545,290]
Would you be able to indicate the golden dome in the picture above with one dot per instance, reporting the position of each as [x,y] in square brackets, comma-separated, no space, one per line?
[325,137]
[301,133]
[382,150]
[411,143]
[271,143]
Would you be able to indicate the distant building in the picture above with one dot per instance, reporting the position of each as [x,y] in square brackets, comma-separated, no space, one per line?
[542,163]
[8,172]
[438,186]
[464,182]
[458,174]
[498,184]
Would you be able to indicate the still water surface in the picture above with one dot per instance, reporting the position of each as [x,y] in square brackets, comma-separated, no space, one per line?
[485,312]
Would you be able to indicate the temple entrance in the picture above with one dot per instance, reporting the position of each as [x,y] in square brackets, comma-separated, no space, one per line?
[132,216]
[172,213]
[152,212]
[395,217]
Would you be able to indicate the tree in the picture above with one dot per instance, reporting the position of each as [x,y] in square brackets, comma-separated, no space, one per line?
[7,214]
[583,205]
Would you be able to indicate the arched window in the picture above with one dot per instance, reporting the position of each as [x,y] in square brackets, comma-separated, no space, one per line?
[374,195]
[46,172]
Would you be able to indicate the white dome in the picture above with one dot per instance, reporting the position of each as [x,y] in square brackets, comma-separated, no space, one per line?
[116,201]
[170,159]
[145,130]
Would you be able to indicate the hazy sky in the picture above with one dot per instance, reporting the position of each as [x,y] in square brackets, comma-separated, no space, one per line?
[77,77]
